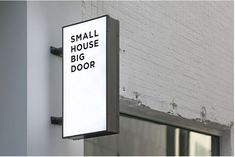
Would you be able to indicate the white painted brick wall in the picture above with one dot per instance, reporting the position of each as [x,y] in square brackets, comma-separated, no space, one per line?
[181,50]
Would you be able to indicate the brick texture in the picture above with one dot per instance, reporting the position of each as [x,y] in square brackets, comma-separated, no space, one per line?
[180,50]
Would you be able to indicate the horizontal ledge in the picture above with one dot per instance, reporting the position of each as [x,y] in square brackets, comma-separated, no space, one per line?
[130,108]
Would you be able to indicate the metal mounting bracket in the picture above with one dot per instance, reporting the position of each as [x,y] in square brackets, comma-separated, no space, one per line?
[56,51]
[56,120]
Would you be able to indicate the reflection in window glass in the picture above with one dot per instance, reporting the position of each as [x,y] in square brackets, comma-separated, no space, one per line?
[190,143]
[200,144]
[177,134]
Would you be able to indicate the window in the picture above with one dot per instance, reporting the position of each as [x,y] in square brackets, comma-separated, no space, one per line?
[143,137]
[189,143]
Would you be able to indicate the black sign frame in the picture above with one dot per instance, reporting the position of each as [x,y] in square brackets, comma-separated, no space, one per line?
[112,80]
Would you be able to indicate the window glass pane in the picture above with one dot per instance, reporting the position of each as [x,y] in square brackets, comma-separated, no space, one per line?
[177,145]
[142,137]
[200,144]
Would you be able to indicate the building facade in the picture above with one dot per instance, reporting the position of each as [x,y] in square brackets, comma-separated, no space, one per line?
[177,53]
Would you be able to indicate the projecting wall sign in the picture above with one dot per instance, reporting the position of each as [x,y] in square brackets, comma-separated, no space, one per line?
[91,78]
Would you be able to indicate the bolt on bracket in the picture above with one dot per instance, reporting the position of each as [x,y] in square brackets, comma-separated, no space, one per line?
[56,120]
[56,51]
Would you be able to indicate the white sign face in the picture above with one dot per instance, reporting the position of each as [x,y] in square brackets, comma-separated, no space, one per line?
[84,77]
